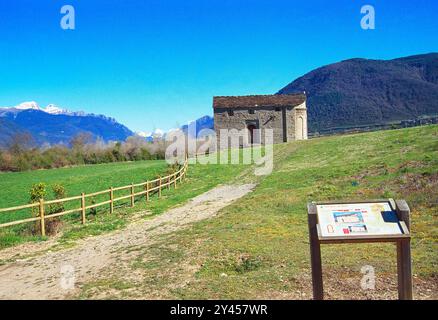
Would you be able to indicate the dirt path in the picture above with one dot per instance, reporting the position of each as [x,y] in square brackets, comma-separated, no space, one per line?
[56,275]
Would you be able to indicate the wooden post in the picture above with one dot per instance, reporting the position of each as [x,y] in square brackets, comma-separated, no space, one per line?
[404,262]
[83,207]
[159,188]
[185,170]
[111,200]
[42,221]
[174,180]
[315,253]
[147,191]
[168,182]
[132,195]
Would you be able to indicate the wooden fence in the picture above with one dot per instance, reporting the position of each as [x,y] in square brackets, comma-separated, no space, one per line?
[148,188]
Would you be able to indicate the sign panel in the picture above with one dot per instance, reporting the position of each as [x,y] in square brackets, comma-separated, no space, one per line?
[358,219]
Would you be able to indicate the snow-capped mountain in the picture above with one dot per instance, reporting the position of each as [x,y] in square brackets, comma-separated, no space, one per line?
[32,105]
[27,105]
[192,129]
[156,134]
[53,125]
[53,109]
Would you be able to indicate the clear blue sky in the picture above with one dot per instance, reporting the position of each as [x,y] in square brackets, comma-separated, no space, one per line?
[158,63]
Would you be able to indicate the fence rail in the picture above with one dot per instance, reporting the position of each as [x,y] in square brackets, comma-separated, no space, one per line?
[149,188]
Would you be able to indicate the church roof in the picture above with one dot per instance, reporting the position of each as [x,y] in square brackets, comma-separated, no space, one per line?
[276,100]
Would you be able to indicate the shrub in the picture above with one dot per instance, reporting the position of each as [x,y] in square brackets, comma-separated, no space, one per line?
[59,193]
[37,192]
[93,211]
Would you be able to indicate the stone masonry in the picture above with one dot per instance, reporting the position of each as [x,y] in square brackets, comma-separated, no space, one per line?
[286,114]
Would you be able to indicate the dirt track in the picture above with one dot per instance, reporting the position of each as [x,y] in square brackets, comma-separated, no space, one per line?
[51,275]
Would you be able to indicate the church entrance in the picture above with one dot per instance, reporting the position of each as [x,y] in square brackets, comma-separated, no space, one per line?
[253,134]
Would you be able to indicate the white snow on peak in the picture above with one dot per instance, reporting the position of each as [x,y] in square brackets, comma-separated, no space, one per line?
[157,133]
[144,134]
[53,109]
[174,130]
[28,105]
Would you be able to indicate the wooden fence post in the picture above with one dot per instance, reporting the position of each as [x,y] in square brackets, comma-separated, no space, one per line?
[111,200]
[42,221]
[175,177]
[83,207]
[159,188]
[147,191]
[168,182]
[132,195]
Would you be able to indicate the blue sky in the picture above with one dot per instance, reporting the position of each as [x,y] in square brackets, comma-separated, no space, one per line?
[158,63]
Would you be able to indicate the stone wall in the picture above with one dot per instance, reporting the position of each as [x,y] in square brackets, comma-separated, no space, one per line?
[263,118]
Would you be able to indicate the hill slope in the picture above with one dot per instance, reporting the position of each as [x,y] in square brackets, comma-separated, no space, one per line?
[363,92]
[257,247]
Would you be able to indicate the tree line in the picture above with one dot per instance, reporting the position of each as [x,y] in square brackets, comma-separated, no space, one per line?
[22,154]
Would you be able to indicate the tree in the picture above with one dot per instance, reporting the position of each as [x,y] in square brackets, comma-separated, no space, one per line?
[80,140]
[21,142]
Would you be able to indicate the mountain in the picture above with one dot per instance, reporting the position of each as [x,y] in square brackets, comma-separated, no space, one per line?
[191,129]
[55,125]
[8,130]
[205,122]
[156,134]
[359,92]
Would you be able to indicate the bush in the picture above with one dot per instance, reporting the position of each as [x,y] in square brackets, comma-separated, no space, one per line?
[37,192]
[53,225]
[22,156]
[59,193]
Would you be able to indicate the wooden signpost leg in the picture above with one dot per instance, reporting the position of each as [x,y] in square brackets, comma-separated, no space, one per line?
[404,262]
[315,253]
[404,270]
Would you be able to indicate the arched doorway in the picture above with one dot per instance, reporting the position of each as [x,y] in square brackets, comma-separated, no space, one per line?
[251,138]
[299,130]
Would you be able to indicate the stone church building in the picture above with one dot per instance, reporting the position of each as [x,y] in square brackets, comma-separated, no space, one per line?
[286,114]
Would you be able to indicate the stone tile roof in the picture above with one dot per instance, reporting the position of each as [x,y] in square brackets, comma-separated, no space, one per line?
[276,100]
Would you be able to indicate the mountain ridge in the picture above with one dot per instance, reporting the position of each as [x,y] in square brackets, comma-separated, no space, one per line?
[54,125]
[359,91]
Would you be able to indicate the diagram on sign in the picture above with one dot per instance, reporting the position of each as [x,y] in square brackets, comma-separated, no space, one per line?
[357,219]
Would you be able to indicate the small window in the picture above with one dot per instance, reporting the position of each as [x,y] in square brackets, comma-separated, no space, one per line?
[231,112]
[277,109]
[251,111]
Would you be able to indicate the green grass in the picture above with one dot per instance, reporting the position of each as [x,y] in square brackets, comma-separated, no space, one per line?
[15,187]
[258,246]
[88,179]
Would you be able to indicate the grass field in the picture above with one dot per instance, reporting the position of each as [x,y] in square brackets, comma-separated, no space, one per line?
[15,187]
[258,247]
[14,190]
